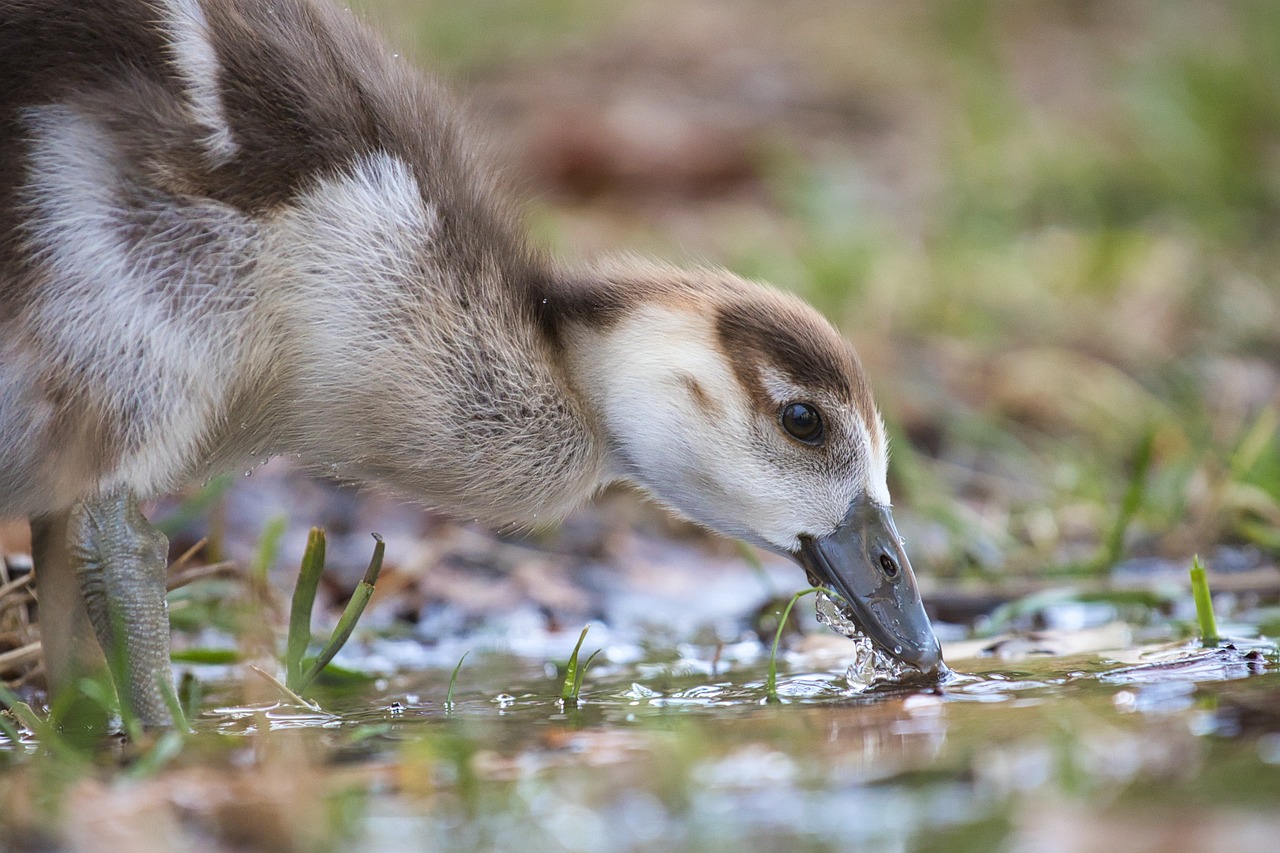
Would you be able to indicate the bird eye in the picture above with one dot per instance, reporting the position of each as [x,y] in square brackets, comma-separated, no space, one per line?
[802,422]
[889,566]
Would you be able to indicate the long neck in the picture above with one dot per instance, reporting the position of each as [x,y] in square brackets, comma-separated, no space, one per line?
[624,345]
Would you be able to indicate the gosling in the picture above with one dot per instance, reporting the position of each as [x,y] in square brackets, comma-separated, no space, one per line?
[236,228]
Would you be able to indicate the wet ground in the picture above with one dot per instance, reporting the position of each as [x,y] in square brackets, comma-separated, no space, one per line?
[1159,747]
[1174,745]
[1042,754]
[1073,720]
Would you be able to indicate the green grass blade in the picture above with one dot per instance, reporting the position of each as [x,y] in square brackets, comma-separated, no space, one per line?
[217,657]
[11,702]
[347,624]
[1256,439]
[171,699]
[268,548]
[1134,495]
[453,679]
[771,681]
[167,747]
[10,731]
[104,696]
[582,670]
[304,597]
[45,731]
[1204,604]
[47,734]
[567,690]
[192,694]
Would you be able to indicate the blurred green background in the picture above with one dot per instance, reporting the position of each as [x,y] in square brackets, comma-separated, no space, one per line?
[1048,227]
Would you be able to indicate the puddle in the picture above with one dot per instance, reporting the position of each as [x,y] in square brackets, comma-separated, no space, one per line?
[1033,738]
[660,752]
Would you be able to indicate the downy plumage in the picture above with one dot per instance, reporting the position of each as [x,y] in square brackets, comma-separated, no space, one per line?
[235,227]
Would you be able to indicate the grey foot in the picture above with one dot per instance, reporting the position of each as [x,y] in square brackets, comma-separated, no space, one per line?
[120,561]
[71,650]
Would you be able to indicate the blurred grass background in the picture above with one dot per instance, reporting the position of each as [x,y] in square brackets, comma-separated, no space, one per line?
[1049,228]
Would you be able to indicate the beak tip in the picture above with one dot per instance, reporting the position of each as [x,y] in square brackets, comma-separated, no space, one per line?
[929,660]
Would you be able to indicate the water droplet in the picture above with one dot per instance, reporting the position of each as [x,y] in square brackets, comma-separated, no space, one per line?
[831,615]
[248,473]
[639,691]
[897,650]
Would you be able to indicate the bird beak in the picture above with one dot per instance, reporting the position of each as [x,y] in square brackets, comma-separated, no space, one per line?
[863,561]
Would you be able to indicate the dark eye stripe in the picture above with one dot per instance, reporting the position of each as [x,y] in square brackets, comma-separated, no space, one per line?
[802,422]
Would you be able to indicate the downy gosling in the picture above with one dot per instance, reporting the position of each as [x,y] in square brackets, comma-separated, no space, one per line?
[235,228]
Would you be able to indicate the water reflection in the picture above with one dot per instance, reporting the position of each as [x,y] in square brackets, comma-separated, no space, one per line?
[1192,664]
[659,753]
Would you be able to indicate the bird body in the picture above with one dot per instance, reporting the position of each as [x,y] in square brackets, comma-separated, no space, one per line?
[237,228]
[221,240]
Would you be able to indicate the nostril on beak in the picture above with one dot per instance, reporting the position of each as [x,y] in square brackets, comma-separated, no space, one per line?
[888,565]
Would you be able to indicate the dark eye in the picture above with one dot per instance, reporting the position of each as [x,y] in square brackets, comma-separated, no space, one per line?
[889,566]
[802,421]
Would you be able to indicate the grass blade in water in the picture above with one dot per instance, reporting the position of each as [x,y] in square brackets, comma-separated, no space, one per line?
[573,673]
[1204,604]
[304,597]
[171,699]
[771,681]
[453,679]
[582,670]
[347,624]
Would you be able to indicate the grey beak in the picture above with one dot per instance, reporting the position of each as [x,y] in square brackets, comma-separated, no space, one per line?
[863,561]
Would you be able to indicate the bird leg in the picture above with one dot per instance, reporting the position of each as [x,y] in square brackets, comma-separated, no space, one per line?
[71,650]
[120,561]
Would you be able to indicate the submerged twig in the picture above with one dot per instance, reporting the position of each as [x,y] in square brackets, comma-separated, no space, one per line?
[284,688]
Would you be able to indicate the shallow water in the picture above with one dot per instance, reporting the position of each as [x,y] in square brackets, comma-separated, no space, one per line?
[1080,739]
[1170,743]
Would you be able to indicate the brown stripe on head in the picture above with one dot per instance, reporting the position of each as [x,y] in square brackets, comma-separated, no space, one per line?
[759,328]
[602,294]
[704,401]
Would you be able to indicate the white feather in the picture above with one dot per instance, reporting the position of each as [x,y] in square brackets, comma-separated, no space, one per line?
[196,63]
[715,467]
[152,325]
